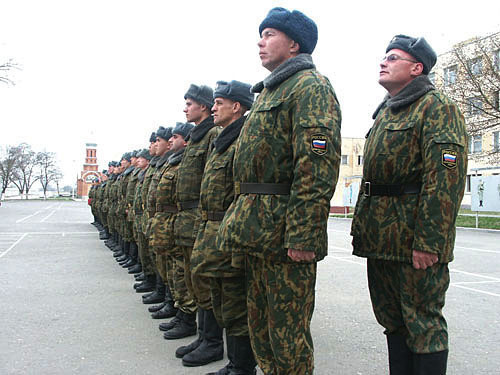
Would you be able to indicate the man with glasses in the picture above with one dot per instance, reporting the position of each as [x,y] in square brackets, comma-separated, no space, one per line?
[285,170]
[415,163]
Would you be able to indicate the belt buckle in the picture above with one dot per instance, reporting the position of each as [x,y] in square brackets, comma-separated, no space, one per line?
[367,190]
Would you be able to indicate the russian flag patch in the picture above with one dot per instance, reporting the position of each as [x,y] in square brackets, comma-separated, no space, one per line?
[449,159]
[319,144]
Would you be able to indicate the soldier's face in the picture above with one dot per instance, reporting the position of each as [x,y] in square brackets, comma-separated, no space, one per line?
[223,111]
[125,163]
[162,146]
[275,47]
[133,161]
[152,148]
[395,75]
[193,111]
[142,162]
[177,142]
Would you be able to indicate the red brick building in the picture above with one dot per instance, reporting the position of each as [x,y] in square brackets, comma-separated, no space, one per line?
[90,171]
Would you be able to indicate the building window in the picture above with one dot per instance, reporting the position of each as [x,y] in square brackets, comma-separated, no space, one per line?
[475,144]
[496,59]
[475,106]
[432,77]
[496,141]
[467,187]
[476,66]
[344,160]
[450,75]
[360,159]
[496,100]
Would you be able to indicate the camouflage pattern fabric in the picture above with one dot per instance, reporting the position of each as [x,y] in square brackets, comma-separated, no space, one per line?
[424,143]
[130,194]
[144,195]
[291,136]
[188,185]
[217,193]
[126,225]
[198,286]
[409,302]
[280,336]
[228,295]
[182,296]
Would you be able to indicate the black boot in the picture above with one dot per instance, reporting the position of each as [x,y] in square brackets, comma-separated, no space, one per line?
[133,255]
[186,326]
[400,356]
[119,248]
[171,324]
[140,276]
[183,350]
[156,308]
[103,235]
[211,348]
[241,356]
[134,270]
[430,363]
[167,310]
[146,286]
[158,295]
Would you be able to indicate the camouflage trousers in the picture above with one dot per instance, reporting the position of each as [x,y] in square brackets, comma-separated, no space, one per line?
[128,232]
[280,301]
[111,226]
[183,298]
[162,266]
[142,244]
[103,219]
[229,304]
[198,286]
[409,302]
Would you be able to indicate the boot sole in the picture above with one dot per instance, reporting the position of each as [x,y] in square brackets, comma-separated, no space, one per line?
[197,364]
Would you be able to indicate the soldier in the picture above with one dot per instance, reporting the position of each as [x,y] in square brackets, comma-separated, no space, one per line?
[415,162]
[199,101]
[169,258]
[227,283]
[147,280]
[113,242]
[285,170]
[163,151]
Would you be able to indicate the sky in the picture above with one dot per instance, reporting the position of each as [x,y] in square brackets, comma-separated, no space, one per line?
[112,71]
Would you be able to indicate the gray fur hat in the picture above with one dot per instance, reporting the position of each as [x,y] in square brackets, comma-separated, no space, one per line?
[144,153]
[236,91]
[296,25]
[417,47]
[165,133]
[152,137]
[183,129]
[126,156]
[201,94]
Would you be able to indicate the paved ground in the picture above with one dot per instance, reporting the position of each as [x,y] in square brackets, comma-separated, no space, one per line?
[67,308]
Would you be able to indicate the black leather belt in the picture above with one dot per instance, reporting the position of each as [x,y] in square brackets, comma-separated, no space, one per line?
[212,215]
[181,206]
[166,208]
[370,189]
[261,188]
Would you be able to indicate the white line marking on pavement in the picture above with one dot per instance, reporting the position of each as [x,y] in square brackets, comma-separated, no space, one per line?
[27,217]
[476,282]
[475,275]
[339,248]
[475,249]
[14,244]
[46,217]
[476,290]
[345,259]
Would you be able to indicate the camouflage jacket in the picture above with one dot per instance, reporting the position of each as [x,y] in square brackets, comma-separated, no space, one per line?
[106,195]
[122,192]
[162,225]
[291,137]
[419,141]
[189,179]
[145,191]
[152,190]
[217,193]
[137,205]
[130,194]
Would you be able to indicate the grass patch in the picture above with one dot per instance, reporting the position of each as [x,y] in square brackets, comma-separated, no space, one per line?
[484,222]
[463,211]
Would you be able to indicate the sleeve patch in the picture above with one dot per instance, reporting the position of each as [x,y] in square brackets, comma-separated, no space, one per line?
[449,159]
[319,144]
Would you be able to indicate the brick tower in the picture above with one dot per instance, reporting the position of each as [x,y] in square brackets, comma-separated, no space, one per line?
[90,171]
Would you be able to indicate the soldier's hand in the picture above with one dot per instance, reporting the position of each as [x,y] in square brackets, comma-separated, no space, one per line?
[422,259]
[298,255]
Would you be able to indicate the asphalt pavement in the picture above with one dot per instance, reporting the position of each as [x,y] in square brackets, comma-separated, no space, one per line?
[68,308]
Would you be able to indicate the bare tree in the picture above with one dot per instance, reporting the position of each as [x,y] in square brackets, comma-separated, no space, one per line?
[5,68]
[472,80]
[49,171]
[26,167]
[7,168]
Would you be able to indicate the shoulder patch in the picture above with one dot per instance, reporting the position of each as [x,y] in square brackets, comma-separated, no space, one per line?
[319,144]
[449,158]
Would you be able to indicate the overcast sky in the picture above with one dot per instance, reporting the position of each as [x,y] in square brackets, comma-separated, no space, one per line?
[112,71]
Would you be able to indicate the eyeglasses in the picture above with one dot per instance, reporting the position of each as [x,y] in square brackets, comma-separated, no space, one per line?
[393,57]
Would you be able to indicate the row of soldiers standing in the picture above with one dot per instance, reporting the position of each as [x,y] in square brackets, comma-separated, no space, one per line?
[159,210]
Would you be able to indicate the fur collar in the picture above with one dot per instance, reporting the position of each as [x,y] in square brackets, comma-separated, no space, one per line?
[201,129]
[163,159]
[408,95]
[284,71]
[153,161]
[176,157]
[228,135]
[141,175]
[128,170]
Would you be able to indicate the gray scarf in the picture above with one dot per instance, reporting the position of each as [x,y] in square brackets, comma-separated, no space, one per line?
[153,161]
[128,170]
[141,175]
[201,129]
[408,95]
[228,135]
[163,159]
[284,71]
